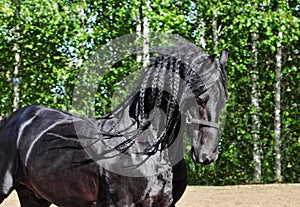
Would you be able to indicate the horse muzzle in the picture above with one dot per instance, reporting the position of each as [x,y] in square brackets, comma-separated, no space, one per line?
[204,157]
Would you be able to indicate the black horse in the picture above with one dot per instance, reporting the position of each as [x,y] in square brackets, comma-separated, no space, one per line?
[51,156]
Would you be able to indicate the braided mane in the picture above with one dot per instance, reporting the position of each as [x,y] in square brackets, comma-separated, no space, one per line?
[174,74]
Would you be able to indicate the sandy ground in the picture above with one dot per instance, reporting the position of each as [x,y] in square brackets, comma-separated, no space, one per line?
[274,195]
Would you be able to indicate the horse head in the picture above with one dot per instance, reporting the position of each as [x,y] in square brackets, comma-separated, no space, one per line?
[203,113]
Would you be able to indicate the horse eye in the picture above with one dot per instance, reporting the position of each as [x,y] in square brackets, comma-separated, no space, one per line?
[200,102]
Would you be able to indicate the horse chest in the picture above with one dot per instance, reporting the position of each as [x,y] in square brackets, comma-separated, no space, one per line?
[155,190]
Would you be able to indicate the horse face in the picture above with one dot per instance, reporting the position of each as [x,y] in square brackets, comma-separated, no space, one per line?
[204,116]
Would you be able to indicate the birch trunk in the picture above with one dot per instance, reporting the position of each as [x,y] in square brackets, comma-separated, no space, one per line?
[255,114]
[201,29]
[16,50]
[80,57]
[146,59]
[139,57]
[215,31]
[277,124]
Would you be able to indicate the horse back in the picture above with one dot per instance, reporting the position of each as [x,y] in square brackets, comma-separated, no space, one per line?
[41,150]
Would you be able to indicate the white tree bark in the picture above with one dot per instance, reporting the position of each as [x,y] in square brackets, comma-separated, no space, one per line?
[215,31]
[146,24]
[16,50]
[139,57]
[277,123]
[255,114]
[80,58]
[142,30]
[201,30]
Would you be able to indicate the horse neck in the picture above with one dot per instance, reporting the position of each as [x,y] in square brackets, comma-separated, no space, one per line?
[151,132]
[151,112]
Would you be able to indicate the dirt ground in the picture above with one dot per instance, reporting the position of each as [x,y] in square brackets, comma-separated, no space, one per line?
[274,195]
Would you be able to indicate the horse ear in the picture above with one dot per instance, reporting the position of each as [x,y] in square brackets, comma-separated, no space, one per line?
[224,57]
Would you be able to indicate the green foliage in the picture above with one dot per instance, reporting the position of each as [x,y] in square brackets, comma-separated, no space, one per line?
[235,165]
[55,36]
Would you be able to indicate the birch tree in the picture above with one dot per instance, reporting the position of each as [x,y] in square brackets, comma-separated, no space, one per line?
[255,112]
[41,38]
[277,123]
[17,50]
[143,30]
[146,32]
[139,27]
[284,26]
[255,95]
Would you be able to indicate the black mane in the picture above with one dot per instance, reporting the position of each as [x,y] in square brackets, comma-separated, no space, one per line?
[165,84]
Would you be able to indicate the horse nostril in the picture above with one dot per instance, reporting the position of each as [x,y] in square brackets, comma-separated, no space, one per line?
[205,159]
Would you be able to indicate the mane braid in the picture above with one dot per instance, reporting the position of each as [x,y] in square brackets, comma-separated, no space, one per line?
[165,73]
[173,66]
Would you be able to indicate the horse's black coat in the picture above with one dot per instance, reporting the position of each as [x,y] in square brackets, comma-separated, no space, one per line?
[41,155]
